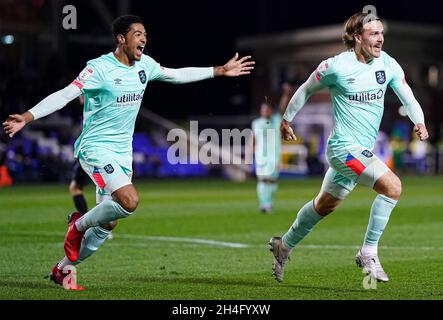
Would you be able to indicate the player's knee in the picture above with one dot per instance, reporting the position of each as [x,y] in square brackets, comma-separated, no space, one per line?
[395,189]
[324,204]
[130,202]
[109,226]
[324,209]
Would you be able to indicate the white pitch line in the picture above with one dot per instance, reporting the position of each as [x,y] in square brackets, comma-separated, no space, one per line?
[327,246]
[230,244]
[187,240]
[151,238]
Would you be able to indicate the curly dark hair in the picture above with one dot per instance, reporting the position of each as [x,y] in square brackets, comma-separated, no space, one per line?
[122,24]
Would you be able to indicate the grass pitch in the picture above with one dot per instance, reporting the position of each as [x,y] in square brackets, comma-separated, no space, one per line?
[207,240]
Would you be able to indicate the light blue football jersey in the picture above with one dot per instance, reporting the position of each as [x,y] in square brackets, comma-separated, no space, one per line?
[113,94]
[267,144]
[357,91]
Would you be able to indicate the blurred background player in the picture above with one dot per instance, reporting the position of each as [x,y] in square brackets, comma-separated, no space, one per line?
[267,148]
[357,81]
[113,86]
[78,181]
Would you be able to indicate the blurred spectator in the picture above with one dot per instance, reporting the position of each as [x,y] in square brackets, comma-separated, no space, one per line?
[399,147]
[419,150]
[383,150]
[5,178]
[314,145]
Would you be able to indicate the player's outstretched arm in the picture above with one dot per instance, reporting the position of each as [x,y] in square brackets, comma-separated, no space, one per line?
[50,104]
[413,109]
[297,101]
[235,67]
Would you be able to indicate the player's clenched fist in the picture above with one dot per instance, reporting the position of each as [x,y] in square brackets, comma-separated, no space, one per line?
[421,131]
[286,131]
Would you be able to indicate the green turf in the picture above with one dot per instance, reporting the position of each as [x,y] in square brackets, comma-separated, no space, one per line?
[134,266]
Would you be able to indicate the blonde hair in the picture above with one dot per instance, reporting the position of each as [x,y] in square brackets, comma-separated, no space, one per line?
[354,25]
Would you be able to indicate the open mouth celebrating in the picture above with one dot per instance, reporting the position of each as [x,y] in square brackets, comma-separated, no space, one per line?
[140,49]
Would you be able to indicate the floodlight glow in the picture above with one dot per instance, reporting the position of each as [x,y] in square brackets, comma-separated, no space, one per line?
[8,39]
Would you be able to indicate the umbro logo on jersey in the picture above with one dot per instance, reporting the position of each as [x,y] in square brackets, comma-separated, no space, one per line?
[350,80]
[118,81]
[380,76]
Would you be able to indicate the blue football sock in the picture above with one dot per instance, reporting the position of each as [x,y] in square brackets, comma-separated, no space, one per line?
[306,219]
[380,211]
[105,212]
[92,240]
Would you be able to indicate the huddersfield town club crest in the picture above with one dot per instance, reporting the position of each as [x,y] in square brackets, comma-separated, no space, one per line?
[142,76]
[109,168]
[367,153]
[380,76]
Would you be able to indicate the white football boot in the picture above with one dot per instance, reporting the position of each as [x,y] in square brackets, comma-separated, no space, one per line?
[372,266]
[281,256]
